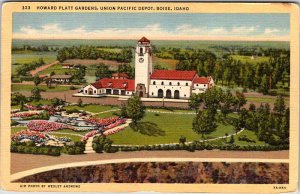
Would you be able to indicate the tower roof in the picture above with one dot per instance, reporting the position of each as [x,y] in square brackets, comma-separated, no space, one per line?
[144,40]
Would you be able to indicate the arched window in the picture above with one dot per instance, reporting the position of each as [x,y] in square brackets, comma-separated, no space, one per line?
[187,84]
[170,83]
[178,83]
[154,82]
[162,83]
[141,50]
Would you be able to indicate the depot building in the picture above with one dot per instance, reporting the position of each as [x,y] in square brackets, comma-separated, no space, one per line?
[149,83]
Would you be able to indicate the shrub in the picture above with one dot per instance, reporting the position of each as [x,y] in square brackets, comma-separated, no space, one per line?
[182,139]
[13,123]
[245,138]
[73,88]
[71,111]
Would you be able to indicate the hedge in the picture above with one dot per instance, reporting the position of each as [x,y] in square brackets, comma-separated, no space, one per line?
[30,148]
[198,146]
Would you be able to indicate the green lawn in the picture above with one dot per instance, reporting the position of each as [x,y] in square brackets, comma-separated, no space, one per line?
[72,137]
[92,108]
[23,87]
[30,56]
[17,129]
[71,131]
[43,102]
[260,99]
[250,135]
[57,69]
[168,129]
[170,110]
[248,59]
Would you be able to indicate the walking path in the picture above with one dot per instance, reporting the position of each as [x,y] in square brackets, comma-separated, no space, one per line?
[205,140]
[179,113]
[35,71]
[96,113]
[89,142]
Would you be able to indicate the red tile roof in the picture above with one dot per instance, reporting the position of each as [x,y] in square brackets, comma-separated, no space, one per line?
[127,84]
[173,75]
[202,80]
[144,39]
[120,75]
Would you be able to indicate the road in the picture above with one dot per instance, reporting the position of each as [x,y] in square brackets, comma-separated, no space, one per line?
[35,71]
[22,162]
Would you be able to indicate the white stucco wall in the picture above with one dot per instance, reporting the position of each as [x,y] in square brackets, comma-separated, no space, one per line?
[184,90]
[88,87]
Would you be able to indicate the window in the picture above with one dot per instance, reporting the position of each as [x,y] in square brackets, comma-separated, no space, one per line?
[197,84]
[162,83]
[185,95]
[178,83]
[154,82]
[141,87]
[204,85]
[170,83]
[152,93]
[141,50]
[186,84]
[85,91]
[95,91]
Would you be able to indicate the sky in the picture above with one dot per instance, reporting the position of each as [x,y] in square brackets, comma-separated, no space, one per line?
[160,26]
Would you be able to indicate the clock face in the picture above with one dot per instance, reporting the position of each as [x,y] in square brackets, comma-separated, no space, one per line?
[141,60]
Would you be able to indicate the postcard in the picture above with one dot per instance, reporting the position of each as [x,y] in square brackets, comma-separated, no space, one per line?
[150,96]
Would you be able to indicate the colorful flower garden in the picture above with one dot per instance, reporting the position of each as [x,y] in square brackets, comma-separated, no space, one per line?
[58,130]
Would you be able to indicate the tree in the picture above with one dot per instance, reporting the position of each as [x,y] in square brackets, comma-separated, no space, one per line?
[56,101]
[101,143]
[123,112]
[212,98]
[36,94]
[227,101]
[17,97]
[252,107]
[102,71]
[195,101]
[37,80]
[204,122]
[241,100]
[80,102]
[135,109]
[182,139]
[231,141]
[279,105]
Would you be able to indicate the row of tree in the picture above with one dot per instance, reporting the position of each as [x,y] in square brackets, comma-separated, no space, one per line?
[23,70]
[271,127]
[103,71]
[262,76]
[91,52]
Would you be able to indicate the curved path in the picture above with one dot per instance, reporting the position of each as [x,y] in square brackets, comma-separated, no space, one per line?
[41,68]
[25,162]
[89,142]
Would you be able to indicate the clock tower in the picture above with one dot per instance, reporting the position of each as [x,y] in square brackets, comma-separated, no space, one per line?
[143,67]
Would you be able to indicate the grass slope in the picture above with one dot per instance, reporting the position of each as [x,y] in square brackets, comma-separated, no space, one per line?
[168,129]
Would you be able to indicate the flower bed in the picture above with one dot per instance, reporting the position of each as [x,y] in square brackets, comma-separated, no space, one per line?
[46,126]
[111,132]
[89,134]
[115,124]
[31,107]
[35,136]
[104,122]
[24,114]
